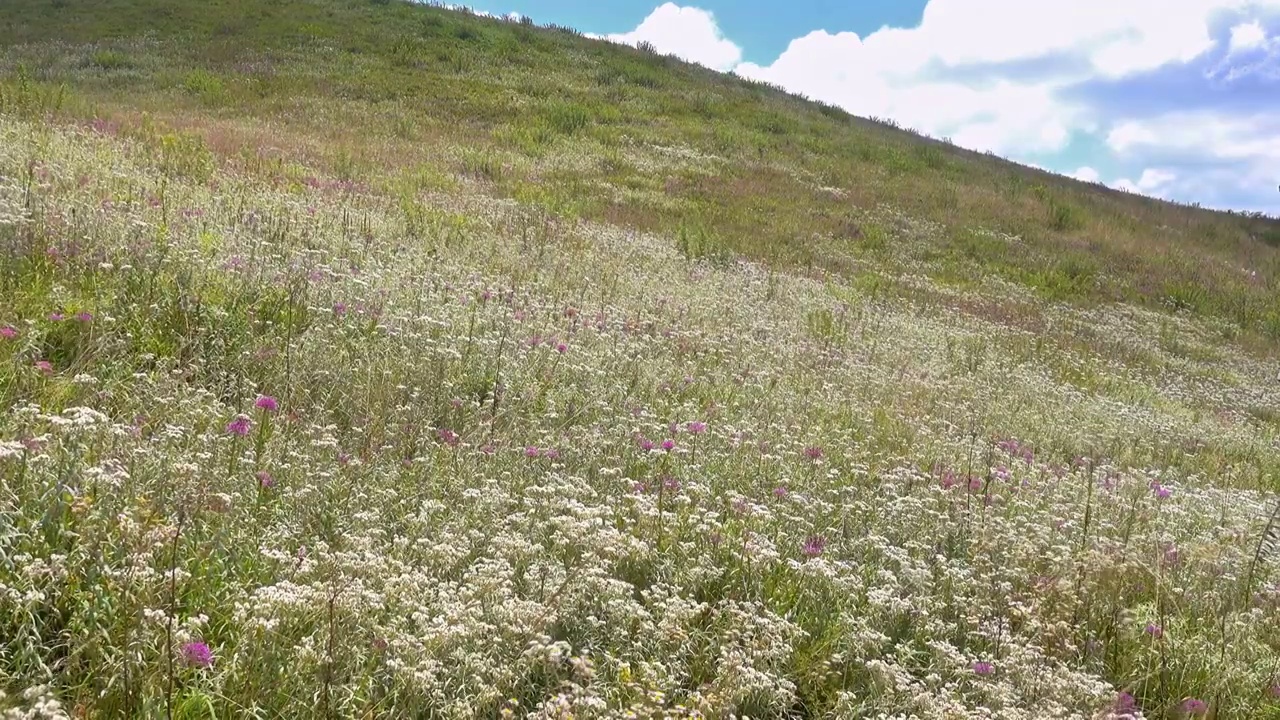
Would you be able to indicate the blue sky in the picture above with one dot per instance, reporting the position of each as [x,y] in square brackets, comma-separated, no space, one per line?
[1177,99]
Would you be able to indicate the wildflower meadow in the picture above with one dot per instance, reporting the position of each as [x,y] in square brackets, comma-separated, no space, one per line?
[278,447]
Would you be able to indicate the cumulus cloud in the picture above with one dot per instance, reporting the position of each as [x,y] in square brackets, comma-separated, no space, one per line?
[1087,174]
[1246,37]
[687,32]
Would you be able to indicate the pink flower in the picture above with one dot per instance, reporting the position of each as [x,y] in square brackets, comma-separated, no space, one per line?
[813,545]
[696,427]
[1194,706]
[448,437]
[813,452]
[983,668]
[561,348]
[84,316]
[531,452]
[44,366]
[264,479]
[197,654]
[56,316]
[1154,630]
[239,426]
[780,492]
[8,332]
[266,402]
[668,445]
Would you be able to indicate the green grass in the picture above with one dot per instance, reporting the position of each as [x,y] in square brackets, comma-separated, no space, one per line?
[927,409]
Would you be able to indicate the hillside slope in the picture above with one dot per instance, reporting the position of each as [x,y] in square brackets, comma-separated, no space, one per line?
[376,360]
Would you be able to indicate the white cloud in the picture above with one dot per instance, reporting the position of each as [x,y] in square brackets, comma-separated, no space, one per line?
[688,32]
[1087,174]
[1247,36]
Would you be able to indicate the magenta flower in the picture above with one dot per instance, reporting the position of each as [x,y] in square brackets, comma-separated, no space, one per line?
[264,479]
[197,654]
[531,452]
[813,452]
[696,427]
[339,309]
[814,545]
[1154,630]
[780,492]
[1160,491]
[8,332]
[561,348]
[1194,706]
[239,426]
[551,454]
[645,444]
[84,316]
[448,437]
[1125,704]
[668,445]
[671,484]
[266,402]
[56,316]
[44,366]
[983,668]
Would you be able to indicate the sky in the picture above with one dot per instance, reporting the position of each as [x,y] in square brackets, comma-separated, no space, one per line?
[1176,99]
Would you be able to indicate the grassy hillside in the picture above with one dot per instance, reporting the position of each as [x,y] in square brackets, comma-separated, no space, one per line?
[375,360]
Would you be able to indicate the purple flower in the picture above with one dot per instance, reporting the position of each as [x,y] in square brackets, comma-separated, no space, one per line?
[551,454]
[266,402]
[448,437]
[8,332]
[44,366]
[56,316]
[1194,706]
[84,316]
[1154,630]
[264,479]
[983,668]
[1125,704]
[561,348]
[813,452]
[668,444]
[671,484]
[813,546]
[696,427]
[197,654]
[239,426]
[1160,491]
[780,492]
[645,444]
[339,309]
[531,452]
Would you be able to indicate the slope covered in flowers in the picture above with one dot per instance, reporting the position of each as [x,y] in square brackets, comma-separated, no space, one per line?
[288,434]
[275,451]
